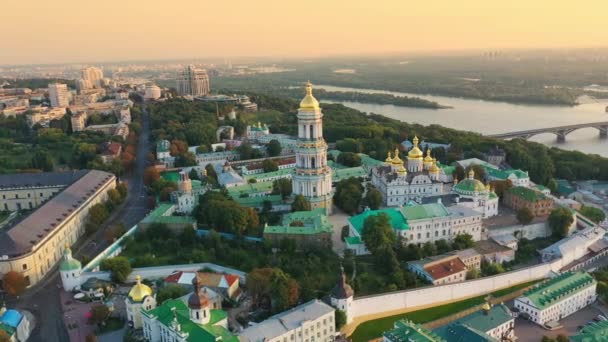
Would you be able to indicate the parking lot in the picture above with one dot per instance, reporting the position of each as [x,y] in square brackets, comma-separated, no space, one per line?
[527,331]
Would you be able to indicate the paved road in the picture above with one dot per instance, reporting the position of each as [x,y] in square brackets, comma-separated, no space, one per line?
[43,299]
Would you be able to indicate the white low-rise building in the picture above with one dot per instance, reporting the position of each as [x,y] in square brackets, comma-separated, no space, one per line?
[312,321]
[557,298]
[574,247]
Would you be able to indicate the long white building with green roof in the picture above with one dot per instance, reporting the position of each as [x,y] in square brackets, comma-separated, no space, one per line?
[419,223]
[558,297]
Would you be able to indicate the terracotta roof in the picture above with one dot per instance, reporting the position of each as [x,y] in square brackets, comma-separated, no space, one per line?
[445,268]
[112,148]
[231,278]
[174,277]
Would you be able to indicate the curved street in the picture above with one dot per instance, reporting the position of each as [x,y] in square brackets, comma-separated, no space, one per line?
[43,299]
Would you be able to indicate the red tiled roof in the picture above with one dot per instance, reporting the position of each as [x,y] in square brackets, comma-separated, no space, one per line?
[174,277]
[445,268]
[112,148]
[231,278]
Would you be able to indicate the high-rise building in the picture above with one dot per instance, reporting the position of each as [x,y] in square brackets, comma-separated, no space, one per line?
[312,177]
[59,95]
[192,81]
[92,77]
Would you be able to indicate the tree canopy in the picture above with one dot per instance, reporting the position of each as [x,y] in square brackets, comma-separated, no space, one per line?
[300,203]
[560,221]
[378,233]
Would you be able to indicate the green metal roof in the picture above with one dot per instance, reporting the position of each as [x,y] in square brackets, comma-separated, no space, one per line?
[594,332]
[171,176]
[314,221]
[564,187]
[469,185]
[411,332]
[251,188]
[69,263]
[340,174]
[482,321]
[258,201]
[278,173]
[563,285]
[527,194]
[368,161]
[463,333]
[424,211]
[159,215]
[398,221]
[505,174]
[196,332]
[447,169]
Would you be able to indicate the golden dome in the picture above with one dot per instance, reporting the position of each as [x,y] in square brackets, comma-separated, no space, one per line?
[487,307]
[415,152]
[388,158]
[402,170]
[428,158]
[396,159]
[309,102]
[434,168]
[471,173]
[139,291]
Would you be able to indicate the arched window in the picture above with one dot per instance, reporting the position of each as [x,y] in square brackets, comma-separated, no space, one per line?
[312,162]
[311,132]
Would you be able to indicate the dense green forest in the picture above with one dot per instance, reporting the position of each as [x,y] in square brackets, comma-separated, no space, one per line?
[46,149]
[532,80]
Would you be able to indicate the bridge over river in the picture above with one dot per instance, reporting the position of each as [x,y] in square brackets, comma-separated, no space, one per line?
[559,131]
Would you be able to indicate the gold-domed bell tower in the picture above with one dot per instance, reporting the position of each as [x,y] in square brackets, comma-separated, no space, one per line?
[312,176]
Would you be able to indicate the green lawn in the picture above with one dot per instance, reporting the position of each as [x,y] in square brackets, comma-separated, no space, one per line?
[374,329]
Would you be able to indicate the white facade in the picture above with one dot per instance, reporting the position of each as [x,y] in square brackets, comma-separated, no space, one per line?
[431,229]
[312,177]
[312,321]
[571,300]
[59,95]
[400,185]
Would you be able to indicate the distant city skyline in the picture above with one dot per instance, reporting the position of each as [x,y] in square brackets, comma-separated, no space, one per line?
[58,32]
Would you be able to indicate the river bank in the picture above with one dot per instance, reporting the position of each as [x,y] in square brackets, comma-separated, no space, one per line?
[492,117]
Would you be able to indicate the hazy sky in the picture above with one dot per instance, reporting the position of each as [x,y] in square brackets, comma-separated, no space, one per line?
[53,31]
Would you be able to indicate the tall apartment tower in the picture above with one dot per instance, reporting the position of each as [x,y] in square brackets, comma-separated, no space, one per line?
[59,95]
[92,77]
[312,177]
[192,81]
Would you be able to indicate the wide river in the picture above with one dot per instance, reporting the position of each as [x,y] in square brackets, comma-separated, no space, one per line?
[488,117]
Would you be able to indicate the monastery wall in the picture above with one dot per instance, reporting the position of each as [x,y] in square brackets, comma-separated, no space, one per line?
[530,231]
[434,295]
